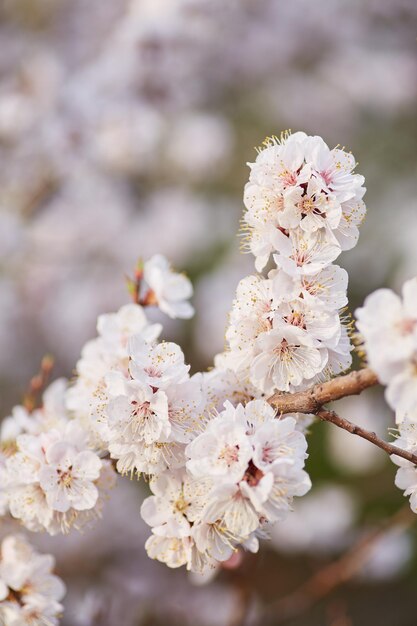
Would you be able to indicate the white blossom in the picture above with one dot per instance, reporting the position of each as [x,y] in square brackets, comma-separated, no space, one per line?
[55,481]
[328,287]
[186,404]
[68,476]
[297,184]
[322,325]
[29,592]
[222,383]
[157,366]
[149,459]
[168,289]
[88,397]
[388,326]
[353,214]
[406,477]
[4,483]
[256,465]
[287,356]
[173,551]
[310,208]
[138,413]
[222,466]
[339,357]
[243,469]
[178,501]
[117,328]
[223,450]
[153,411]
[334,168]
[172,512]
[304,254]
[304,205]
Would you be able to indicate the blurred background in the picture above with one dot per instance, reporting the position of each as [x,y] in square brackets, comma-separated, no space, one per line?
[125,128]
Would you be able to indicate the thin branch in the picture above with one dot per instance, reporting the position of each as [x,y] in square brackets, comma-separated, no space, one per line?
[334,418]
[32,398]
[244,594]
[312,400]
[323,582]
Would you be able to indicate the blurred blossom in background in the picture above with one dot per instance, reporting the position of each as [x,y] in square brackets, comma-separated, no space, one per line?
[125,128]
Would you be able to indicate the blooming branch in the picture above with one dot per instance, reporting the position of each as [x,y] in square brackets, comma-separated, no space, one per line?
[221,468]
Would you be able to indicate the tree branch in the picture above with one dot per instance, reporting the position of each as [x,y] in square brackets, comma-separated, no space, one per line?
[334,418]
[312,400]
[333,575]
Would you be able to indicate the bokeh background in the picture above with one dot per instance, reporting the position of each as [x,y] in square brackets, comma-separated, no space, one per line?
[125,128]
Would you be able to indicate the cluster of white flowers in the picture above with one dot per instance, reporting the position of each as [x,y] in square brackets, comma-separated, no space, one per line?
[135,395]
[304,205]
[103,119]
[152,413]
[144,145]
[104,363]
[30,594]
[241,474]
[287,331]
[51,478]
[222,466]
[300,188]
[108,352]
[388,328]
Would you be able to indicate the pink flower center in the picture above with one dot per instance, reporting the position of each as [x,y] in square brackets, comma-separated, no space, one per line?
[312,288]
[141,411]
[300,257]
[327,177]
[289,178]
[307,205]
[65,477]
[406,326]
[152,371]
[229,454]
[296,319]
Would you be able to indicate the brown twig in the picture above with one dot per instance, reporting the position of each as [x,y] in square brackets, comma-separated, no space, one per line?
[323,582]
[334,418]
[38,383]
[312,400]
[134,287]
[134,284]
[240,577]
[244,595]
